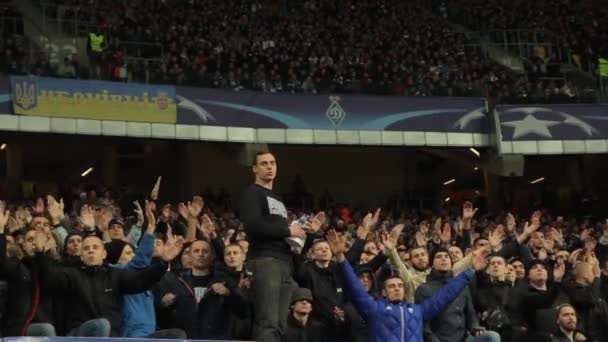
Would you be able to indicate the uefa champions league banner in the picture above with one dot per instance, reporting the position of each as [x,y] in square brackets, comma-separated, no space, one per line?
[220,107]
[57,97]
[553,122]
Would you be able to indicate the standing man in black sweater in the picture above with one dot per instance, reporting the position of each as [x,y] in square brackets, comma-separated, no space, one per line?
[269,257]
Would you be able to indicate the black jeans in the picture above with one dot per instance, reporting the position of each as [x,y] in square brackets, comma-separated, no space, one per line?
[272,285]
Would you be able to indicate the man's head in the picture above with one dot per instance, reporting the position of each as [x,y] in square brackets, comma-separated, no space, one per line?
[403,253]
[234,256]
[201,254]
[419,258]
[442,261]
[583,273]
[537,273]
[519,268]
[321,251]
[116,229]
[264,167]
[41,223]
[119,252]
[186,259]
[456,253]
[566,318]
[394,289]
[73,245]
[365,258]
[510,274]
[28,242]
[301,302]
[497,267]
[371,247]
[481,242]
[564,255]
[93,252]
[366,277]
[537,240]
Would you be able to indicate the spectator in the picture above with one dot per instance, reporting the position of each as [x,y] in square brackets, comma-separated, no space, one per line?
[584,294]
[91,312]
[300,325]
[566,323]
[265,219]
[405,316]
[458,322]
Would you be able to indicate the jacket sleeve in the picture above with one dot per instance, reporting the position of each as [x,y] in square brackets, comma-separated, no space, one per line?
[61,233]
[8,266]
[53,276]
[134,235]
[377,262]
[354,253]
[140,280]
[143,255]
[363,302]
[433,306]
[256,223]
[462,265]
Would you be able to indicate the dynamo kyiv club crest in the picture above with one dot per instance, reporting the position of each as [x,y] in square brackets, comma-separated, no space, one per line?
[335,113]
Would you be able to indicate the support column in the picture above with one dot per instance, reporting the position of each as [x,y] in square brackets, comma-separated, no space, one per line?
[14,170]
[491,185]
[110,165]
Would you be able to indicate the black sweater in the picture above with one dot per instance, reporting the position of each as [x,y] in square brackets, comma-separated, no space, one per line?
[265,219]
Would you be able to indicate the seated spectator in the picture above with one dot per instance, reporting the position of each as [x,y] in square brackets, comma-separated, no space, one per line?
[300,325]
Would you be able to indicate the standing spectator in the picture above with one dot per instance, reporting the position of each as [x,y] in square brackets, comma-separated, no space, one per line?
[269,259]
[458,322]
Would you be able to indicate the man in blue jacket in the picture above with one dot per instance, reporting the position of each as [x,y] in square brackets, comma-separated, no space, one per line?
[390,318]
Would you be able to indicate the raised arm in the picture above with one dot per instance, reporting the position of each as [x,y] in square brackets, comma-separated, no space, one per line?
[363,302]
[53,276]
[144,279]
[144,253]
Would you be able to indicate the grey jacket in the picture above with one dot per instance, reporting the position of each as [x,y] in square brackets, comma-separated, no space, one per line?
[455,322]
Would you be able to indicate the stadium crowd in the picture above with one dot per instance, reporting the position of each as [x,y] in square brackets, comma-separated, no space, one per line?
[207,269]
[316,47]
[581,26]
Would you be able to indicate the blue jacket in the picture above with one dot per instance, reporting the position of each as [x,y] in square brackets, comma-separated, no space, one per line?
[399,322]
[138,316]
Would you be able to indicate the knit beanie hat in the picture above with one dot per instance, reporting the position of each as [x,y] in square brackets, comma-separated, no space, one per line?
[114,249]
